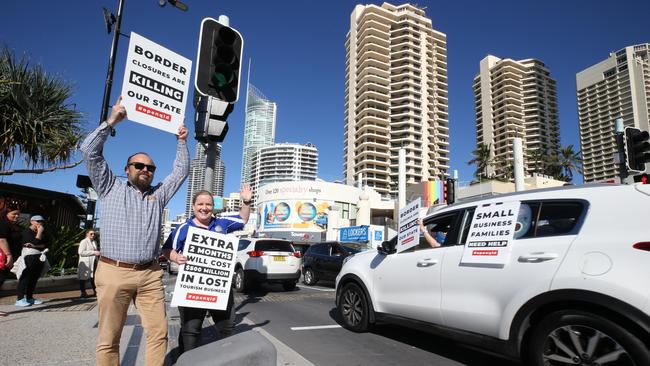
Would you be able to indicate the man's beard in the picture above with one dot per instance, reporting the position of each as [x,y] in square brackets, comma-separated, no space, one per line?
[141,184]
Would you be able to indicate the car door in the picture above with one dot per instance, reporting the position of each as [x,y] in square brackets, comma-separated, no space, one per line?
[480,298]
[325,261]
[319,252]
[337,254]
[408,283]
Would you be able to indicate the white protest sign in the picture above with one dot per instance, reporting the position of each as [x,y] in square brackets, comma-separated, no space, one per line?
[490,236]
[204,281]
[156,80]
[409,231]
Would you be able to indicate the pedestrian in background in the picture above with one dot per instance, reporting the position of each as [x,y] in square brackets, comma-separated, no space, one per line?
[34,244]
[128,268]
[202,206]
[88,254]
[9,240]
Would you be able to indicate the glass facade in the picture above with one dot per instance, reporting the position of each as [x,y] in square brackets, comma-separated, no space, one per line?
[259,130]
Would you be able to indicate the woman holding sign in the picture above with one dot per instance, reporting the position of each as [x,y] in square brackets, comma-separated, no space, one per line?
[203,205]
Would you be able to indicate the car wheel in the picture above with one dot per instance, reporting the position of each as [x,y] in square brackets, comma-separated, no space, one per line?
[354,309]
[240,281]
[579,338]
[289,286]
[309,278]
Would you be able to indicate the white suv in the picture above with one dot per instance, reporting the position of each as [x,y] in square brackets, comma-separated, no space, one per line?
[572,289]
[266,260]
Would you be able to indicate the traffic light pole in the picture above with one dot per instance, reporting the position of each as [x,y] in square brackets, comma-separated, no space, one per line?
[622,168]
[210,162]
[211,149]
[620,144]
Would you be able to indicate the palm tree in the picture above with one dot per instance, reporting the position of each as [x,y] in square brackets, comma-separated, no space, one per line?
[36,123]
[505,169]
[569,161]
[538,158]
[552,166]
[482,158]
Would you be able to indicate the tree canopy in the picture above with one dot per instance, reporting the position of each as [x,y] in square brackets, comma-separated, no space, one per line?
[37,123]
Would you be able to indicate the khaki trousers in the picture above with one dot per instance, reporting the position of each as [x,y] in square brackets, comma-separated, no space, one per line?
[116,287]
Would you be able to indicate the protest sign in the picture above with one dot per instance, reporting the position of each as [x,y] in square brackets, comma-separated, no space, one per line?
[204,281]
[491,233]
[409,231]
[156,80]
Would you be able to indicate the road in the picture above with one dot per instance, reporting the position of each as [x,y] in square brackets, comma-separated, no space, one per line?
[305,320]
[301,324]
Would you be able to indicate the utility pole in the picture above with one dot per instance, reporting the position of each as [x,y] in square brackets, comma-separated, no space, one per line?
[111,64]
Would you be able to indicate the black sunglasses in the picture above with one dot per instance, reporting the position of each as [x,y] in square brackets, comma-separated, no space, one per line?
[141,166]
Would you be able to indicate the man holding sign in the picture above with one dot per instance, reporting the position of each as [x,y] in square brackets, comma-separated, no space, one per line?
[192,317]
[131,215]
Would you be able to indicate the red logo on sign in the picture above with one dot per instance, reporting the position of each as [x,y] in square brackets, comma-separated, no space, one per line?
[152,112]
[408,240]
[200,297]
[485,252]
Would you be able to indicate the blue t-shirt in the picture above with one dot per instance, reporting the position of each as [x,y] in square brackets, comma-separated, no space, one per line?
[222,224]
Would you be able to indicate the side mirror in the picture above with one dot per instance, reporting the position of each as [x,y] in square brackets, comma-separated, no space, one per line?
[383,248]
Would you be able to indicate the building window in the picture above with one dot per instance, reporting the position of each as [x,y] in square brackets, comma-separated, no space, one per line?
[344,208]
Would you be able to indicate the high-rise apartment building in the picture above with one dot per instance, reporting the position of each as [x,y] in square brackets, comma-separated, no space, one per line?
[617,87]
[283,162]
[259,130]
[232,203]
[395,97]
[197,176]
[515,99]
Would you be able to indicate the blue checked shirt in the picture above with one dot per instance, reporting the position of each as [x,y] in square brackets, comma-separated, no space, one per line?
[130,220]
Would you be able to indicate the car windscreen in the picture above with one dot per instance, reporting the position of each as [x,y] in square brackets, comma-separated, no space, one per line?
[273,246]
[351,248]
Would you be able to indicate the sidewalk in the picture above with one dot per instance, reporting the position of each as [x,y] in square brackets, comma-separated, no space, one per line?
[63,331]
[44,284]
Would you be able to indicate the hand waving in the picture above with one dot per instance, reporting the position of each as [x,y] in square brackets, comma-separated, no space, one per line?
[245,192]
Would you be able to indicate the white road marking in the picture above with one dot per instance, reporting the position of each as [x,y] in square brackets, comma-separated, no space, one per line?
[316,327]
[286,355]
[318,289]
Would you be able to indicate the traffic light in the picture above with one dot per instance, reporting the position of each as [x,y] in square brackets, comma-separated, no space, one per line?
[210,120]
[218,65]
[637,149]
[450,191]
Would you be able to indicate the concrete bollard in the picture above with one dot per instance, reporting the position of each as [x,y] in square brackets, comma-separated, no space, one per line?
[244,349]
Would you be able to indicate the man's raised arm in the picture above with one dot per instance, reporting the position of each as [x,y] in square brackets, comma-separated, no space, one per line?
[92,150]
[181,167]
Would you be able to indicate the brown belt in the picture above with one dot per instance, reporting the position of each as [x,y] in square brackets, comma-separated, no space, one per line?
[135,266]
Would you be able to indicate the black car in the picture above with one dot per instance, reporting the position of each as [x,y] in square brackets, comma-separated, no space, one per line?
[323,261]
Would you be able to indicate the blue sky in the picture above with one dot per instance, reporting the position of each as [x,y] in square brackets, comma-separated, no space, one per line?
[298,60]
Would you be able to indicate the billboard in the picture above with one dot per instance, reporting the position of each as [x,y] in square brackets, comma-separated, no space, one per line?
[295,214]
